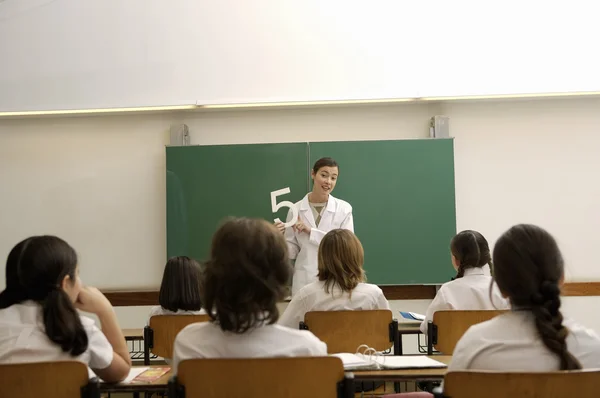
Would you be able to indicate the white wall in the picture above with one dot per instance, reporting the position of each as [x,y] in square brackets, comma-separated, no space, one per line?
[96,182]
[59,54]
[531,162]
[99,181]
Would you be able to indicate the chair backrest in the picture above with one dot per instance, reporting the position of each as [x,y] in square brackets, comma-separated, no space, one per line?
[344,331]
[579,383]
[449,326]
[63,379]
[317,377]
[159,335]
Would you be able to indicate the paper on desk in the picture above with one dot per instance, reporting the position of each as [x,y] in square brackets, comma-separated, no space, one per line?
[413,316]
[133,373]
[407,362]
[355,361]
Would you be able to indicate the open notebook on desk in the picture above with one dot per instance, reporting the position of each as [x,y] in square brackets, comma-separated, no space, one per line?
[373,362]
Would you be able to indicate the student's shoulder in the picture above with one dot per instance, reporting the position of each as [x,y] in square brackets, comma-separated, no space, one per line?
[298,335]
[368,288]
[196,330]
[496,325]
[309,290]
[88,323]
[156,310]
[583,335]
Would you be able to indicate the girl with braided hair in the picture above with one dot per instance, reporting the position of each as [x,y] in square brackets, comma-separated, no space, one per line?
[534,336]
[470,289]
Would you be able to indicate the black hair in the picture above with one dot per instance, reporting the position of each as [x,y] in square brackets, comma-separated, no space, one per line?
[35,270]
[324,162]
[246,275]
[180,287]
[528,269]
[471,250]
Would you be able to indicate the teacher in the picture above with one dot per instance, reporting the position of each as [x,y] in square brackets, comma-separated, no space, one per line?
[318,213]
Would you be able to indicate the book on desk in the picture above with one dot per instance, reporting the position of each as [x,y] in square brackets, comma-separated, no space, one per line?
[373,362]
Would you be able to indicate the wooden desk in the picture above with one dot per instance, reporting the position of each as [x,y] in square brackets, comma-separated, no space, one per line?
[159,385]
[133,334]
[408,327]
[405,374]
[411,327]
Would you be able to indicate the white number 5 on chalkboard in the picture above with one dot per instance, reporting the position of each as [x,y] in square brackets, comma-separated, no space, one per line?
[286,203]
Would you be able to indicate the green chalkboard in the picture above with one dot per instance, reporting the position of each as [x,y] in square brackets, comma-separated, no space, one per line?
[402,194]
[206,184]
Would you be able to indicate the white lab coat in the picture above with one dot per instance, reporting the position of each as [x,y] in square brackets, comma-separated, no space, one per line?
[303,247]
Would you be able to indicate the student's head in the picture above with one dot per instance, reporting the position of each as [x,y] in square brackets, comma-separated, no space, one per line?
[341,259]
[529,268]
[180,287]
[324,174]
[246,274]
[469,249]
[44,269]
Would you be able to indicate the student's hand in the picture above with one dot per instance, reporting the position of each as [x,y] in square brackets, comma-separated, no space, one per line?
[92,300]
[301,227]
[280,226]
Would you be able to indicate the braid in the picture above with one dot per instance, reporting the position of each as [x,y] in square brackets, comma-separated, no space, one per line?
[548,321]
[468,252]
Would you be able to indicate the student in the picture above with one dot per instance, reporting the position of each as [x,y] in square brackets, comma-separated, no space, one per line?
[341,284]
[180,289]
[38,317]
[533,337]
[470,290]
[242,282]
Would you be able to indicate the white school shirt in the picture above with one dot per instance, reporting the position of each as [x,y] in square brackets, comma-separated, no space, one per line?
[23,339]
[365,296]
[158,310]
[510,342]
[471,292]
[304,247]
[207,340]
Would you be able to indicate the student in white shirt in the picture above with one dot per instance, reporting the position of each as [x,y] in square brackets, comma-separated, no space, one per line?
[472,289]
[38,312]
[242,282]
[180,289]
[341,284]
[529,270]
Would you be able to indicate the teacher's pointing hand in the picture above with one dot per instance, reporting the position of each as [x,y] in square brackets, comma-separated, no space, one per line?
[301,227]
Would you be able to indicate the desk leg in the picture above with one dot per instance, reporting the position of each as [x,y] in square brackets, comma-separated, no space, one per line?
[400,349]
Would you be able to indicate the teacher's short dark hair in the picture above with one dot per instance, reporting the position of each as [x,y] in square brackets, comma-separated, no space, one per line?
[246,275]
[324,162]
[180,287]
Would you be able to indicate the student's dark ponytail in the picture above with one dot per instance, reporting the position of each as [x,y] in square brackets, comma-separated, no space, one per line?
[471,250]
[528,268]
[63,324]
[35,269]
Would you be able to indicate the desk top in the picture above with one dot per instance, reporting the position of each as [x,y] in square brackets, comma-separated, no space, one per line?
[410,327]
[133,334]
[158,385]
[362,375]
[405,374]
